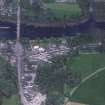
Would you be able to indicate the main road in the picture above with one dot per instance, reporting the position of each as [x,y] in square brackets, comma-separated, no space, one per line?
[28,91]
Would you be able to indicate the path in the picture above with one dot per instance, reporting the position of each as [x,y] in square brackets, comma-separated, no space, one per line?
[75,103]
[85,79]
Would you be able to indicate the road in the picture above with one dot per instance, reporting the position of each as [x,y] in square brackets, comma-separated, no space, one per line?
[28,91]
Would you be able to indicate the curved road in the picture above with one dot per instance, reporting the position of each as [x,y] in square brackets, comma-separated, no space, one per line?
[85,79]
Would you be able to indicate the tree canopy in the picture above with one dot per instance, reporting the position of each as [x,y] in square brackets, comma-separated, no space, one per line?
[8,80]
[52,78]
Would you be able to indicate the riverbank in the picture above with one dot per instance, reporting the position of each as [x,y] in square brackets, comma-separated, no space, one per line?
[44,24]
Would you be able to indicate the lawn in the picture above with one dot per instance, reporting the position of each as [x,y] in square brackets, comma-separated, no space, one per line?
[63,9]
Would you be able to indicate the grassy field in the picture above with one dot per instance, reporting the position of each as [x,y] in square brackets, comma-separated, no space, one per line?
[64,10]
[92,91]
[86,64]
[11,101]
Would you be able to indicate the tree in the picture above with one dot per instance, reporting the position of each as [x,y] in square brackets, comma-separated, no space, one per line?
[84,5]
[52,78]
[31,3]
[8,85]
[49,1]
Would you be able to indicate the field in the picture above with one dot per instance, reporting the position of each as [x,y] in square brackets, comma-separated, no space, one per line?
[86,64]
[92,89]
[62,10]
[11,101]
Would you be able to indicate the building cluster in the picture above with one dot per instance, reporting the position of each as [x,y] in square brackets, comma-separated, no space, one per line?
[45,54]
[38,53]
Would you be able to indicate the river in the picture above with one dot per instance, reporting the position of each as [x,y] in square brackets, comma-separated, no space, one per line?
[31,31]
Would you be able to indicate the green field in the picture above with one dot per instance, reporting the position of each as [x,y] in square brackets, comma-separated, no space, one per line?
[62,10]
[11,101]
[86,64]
[92,91]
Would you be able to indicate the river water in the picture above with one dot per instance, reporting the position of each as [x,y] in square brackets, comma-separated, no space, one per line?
[30,31]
